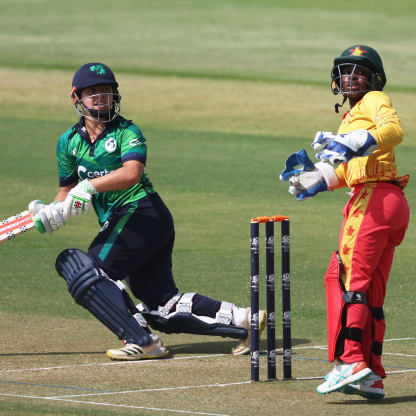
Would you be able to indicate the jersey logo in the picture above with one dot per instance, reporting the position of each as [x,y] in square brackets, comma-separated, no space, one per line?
[110,145]
[74,152]
[135,142]
[84,173]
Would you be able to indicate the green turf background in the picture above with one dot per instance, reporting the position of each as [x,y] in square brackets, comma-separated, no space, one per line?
[224,91]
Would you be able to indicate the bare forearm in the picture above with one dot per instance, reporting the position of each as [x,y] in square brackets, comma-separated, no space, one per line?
[125,177]
[63,192]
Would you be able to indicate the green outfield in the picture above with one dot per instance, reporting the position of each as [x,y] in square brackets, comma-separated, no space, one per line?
[223,90]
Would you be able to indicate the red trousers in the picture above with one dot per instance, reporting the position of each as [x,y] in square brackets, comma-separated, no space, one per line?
[375,222]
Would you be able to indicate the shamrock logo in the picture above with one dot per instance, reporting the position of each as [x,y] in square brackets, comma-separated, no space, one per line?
[99,69]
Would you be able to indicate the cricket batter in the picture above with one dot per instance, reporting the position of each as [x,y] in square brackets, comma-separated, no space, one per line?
[101,162]
[360,156]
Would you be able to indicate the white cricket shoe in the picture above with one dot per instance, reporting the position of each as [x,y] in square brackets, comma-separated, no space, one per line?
[244,346]
[343,374]
[370,387]
[131,352]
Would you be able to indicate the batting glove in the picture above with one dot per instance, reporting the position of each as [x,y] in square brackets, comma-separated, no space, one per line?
[343,147]
[48,218]
[78,200]
[35,206]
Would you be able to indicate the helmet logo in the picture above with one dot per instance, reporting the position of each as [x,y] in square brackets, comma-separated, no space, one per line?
[357,51]
[98,69]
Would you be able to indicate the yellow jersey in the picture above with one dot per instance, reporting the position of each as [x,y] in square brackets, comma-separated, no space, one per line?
[374,112]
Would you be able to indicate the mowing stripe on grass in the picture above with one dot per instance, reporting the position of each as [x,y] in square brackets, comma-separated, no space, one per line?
[52,386]
[155,409]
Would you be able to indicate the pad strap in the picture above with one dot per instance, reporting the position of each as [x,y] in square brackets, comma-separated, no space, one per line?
[164,311]
[377,313]
[130,305]
[187,323]
[185,303]
[182,320]
[225,313]
[377,348]
[354,297]
[354,334]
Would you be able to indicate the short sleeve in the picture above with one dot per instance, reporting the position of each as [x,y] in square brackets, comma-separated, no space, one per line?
[133,144]
[66,162]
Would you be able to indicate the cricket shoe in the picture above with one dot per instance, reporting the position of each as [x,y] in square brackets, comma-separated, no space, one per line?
[244,346]
[370,387]
[132,352]
[343,374]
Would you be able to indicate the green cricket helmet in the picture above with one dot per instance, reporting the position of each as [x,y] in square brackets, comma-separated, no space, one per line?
[358,57]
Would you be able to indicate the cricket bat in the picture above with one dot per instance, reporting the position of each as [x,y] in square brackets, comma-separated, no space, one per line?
[19,224]
[16,225]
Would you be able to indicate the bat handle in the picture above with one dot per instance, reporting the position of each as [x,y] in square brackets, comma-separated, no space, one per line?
[39,226]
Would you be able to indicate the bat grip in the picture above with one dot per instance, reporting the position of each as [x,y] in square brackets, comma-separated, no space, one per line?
[39,226]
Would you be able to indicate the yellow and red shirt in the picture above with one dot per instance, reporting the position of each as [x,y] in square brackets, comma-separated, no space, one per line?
[374,112]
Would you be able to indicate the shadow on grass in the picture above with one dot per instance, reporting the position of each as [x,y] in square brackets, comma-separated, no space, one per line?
[384,402]
[210,347]
[221,347]
[27,354]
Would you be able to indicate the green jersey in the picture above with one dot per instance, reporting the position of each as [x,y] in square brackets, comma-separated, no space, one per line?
[78,158]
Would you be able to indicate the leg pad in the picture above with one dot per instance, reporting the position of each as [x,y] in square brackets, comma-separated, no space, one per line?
[92,289]
[188,323]
[337,301]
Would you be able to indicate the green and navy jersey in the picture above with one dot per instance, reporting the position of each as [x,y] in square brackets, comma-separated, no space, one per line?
[79,159]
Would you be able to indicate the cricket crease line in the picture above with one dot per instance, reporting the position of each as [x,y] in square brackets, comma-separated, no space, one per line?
[399,339]
[399,354]
[140,362]
[153,390]
[63,367]
[410,370]
[155,409]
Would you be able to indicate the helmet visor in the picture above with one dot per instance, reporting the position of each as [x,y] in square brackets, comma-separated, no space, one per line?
[102,107]
[352,79]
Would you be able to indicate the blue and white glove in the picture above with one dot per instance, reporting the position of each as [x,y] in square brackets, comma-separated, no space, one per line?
[307,179]
[340,148]
[47,217]
[78,200]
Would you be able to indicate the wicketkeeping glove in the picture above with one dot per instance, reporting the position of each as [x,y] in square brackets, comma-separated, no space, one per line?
[340,148]
[47,217]
[305,178]
[78,200]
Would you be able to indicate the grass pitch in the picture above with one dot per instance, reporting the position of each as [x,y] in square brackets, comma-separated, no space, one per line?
[224,91]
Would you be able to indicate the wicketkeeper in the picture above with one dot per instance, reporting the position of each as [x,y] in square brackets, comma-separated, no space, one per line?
[101,162]
[359,156]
